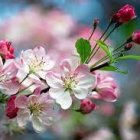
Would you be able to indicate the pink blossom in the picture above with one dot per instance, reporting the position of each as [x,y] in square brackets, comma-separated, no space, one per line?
[33,65]
[86,106]
[73,80]
[37,108]
[9,84]
[6,50]
[105,88]
[11,109]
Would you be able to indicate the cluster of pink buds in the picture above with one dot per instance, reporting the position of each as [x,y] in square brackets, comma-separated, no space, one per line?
[33,84]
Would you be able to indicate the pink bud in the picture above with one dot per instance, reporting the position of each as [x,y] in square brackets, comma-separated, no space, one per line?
[87,106]
[136,37]
[6,50]
[11,109]
[125,14]
[128,46]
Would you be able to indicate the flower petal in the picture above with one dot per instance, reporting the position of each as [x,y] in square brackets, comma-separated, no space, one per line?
[21,101]
[53,80]
[86,81]
[38,124]
[56,92]
[64,100]
[108,95]
[47,120]
[80,93]
[66,66]
[23,117]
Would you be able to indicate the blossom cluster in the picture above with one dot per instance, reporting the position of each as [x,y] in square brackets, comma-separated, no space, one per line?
[34,84]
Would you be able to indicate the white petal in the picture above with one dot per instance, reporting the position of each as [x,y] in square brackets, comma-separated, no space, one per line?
[41,74]
[80,93]
[47,120]
[53,80]
[38,124]
[27,55]
[64,100]
[39,51]
[21,75]
[56,92]
[23,117]
[87,81]
[49,64]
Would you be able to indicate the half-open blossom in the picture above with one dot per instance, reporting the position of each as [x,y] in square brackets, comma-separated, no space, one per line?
[6,50]
[11,109]
[136,37]
[86,106]
[125,14]
[105,88]
[9,84]
[36,108]
[76,80]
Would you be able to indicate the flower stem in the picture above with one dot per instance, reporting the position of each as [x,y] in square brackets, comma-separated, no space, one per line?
[104,40]
[120,47]
[45,90]
[93,30]
[99,67]
[24,78]
[90,56]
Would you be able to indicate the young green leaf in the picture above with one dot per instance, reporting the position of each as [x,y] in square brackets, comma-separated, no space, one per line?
[126,57]
[113,69]
[105,48]
[83,48]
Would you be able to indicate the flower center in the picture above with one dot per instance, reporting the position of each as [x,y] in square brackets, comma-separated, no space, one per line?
[69,82]
[36,64]
[4,77]
[35,108]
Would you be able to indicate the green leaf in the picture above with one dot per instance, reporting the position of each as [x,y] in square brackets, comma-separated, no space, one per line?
[105,48]
[83,48]
[113,68]
[3,98]
[134,57]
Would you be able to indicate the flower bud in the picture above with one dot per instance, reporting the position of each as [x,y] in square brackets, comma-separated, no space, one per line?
[11,109]
[136,37]
[125,14]
[86,106]
[96,23]
[128,46]
[6,50]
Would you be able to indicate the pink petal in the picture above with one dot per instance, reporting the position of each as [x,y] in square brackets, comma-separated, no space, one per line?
[108,95]
[21,101]
[53,80]
[66,66]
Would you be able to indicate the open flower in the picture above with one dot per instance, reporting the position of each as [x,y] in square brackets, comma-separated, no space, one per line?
[36,62]
[125,14]
[75,80]
[9,84]
[105,88]
[33,66]
[6,50]
[36,108]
